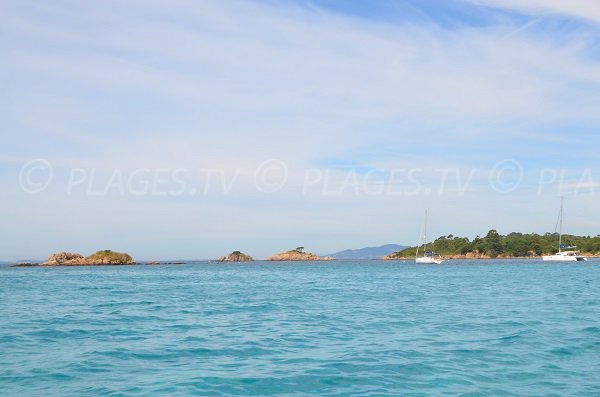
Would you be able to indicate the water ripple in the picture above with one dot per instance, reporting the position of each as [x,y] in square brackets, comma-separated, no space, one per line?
[330,329]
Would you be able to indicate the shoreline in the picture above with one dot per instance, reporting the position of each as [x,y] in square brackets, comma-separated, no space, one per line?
[264,261]
[484,258]
[77,265]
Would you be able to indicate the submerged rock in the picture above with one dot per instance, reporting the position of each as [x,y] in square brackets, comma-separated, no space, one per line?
[26,264]
[236,256]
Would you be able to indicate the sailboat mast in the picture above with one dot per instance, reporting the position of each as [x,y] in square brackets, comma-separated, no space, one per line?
[560,225]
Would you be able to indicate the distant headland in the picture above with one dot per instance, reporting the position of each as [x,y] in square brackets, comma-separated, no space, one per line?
[497,246]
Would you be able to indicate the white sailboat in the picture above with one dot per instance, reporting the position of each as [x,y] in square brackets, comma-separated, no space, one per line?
[564,256]
[429,257]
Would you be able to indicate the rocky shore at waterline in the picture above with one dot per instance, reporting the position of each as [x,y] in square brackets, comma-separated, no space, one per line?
[468,255]
[298,255]
[478,256]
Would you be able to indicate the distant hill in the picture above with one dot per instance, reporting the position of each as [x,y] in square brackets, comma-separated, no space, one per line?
[368,252]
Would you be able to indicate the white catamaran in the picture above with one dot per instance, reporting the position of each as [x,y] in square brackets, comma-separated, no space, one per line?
[564,256]
[429,257]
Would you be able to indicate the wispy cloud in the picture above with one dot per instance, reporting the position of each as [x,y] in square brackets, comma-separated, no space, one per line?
[584,9]
[231,84]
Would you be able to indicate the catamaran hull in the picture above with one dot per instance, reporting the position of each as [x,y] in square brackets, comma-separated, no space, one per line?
[563,258]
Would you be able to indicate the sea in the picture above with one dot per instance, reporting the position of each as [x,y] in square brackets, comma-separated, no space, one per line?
[342,328]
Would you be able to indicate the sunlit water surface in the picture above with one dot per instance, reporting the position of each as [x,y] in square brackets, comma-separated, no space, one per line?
[476,328]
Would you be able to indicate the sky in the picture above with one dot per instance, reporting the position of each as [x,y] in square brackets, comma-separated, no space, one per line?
[188,129]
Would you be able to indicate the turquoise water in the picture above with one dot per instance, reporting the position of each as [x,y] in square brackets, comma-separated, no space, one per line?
[478,328]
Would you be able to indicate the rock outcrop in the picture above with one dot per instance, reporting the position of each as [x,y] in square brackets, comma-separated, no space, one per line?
[396,256]
[105,257]
[65,258]
[296,255]
[236,256]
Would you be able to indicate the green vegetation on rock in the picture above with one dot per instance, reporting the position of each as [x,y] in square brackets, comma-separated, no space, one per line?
[109,257]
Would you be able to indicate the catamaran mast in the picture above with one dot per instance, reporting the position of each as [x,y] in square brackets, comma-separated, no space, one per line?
[422,235]
[425,236]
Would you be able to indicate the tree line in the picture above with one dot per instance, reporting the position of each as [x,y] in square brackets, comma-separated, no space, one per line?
[512,244]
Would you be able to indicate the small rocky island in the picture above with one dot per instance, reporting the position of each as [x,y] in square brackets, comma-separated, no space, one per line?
[105,257]
[236,256]
[298,254]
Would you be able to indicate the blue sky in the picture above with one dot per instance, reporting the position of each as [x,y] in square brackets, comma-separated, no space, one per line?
[336,91]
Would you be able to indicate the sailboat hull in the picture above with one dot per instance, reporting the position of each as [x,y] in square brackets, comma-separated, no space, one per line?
[429,257]
[563,256]
[429,260]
